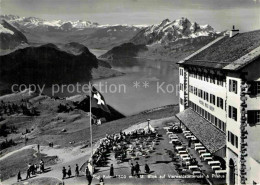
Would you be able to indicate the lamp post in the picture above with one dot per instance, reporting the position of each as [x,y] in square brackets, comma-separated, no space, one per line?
[148,122]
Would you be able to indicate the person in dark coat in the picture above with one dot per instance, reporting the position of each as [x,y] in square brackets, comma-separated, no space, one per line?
[69,171]
[87,172]
[137,169]
[112,171]
[77,170]
[89,178]
[28,172]
[19,178]
[146,168]
[132,169]
[64,172]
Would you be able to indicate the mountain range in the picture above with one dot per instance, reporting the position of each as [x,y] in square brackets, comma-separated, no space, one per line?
[168,40]
[170,31]
[92,35]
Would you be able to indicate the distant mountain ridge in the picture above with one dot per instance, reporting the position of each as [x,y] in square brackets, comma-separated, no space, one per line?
[45,25]
[92,35]
[10,37]
[170,31]
[47,64]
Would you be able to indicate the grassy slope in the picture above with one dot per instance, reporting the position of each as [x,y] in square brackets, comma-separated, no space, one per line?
[47,128]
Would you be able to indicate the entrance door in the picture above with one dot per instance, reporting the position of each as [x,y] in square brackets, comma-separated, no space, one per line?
[231,172]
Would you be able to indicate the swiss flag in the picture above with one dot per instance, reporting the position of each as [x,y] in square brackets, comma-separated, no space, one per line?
[98,101]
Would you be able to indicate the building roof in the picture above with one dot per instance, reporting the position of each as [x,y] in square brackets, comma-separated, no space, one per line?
[230,53]
[210,136]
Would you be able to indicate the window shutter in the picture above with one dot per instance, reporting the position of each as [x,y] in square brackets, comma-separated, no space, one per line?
[229,111]
[230,85]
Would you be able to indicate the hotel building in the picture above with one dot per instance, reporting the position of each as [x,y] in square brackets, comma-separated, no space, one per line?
[220,102]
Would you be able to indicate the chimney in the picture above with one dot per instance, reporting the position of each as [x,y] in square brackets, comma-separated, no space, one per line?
[233,32]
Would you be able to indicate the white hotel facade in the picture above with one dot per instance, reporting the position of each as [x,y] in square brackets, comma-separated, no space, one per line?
[221,83]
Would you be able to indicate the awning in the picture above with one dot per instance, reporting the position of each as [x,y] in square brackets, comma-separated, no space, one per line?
[210,136]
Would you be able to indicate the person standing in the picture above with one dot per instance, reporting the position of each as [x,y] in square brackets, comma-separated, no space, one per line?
[64,172]
[77,170]
[38,147]
[28,171]
[112,171]
[137,169]
[19,178]
[89,178]
[69,171]
[147,169]
[132,169]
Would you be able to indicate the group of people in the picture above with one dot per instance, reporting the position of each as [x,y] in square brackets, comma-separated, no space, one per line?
[68,172]
[135,169]
[32,170]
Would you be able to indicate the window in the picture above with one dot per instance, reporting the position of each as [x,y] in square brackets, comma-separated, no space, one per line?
[220,102]
[254,88]
[195,91]
[232,113]
[181,101]
[181,87]
[199,92]
[206,78]
[220,80]
[233,86]
[253,116]
[181,72]
[233,139]
[212,99]
[206,96]
[212,119]
[212,79]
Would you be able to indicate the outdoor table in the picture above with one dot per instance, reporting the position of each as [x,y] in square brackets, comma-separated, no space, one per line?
[208,158]
[186,159]
[189,136]
[196,172]
[213,162]
[166,128]
[202,151]
[182,152]
[186,131]
[197,144]
[187,162]
[221,171]
[193,167]
[179,147]
[205,155]
[172,136]
[184,155]
[173,140]
[215,167]
[199,147]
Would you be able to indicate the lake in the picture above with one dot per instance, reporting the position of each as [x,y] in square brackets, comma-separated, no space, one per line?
[146,84]
[156,85]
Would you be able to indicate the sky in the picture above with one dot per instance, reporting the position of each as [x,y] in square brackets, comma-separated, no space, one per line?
[220,14]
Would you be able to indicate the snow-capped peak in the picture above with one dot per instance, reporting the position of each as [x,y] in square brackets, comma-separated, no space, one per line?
[170,31]
[33,22]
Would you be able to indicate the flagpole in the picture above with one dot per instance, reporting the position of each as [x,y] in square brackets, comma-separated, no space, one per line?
[90,119]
